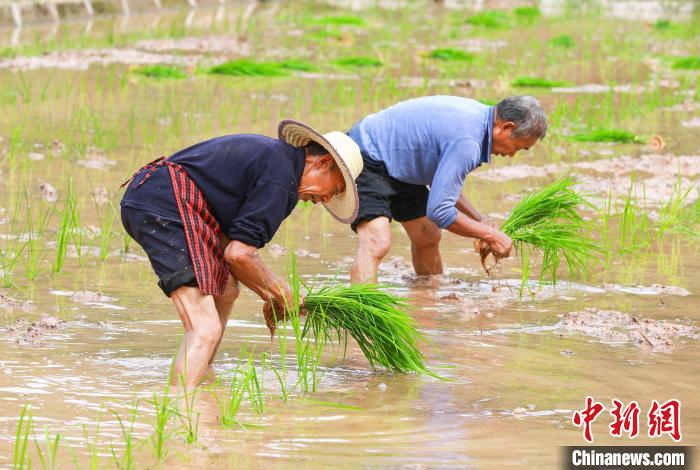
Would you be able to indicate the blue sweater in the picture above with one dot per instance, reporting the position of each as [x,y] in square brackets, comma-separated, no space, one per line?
[435,141]
[249,181]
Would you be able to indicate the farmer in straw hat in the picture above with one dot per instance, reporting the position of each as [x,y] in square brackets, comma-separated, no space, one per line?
[202,214]
[417,155]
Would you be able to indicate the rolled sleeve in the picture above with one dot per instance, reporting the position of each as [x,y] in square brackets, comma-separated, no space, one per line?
[457,160]
[261,214]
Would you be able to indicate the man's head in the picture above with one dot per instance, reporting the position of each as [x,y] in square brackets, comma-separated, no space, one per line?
[322,178]
[519,122]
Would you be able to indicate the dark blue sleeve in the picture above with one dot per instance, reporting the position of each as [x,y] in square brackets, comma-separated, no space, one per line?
[261,214]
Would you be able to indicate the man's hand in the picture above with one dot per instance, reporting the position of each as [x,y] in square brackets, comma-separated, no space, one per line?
[499,243]
[489,222]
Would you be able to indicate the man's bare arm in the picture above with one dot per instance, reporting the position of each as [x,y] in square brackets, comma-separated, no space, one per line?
[465,207]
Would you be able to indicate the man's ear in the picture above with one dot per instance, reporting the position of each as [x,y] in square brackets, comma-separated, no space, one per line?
[507,126]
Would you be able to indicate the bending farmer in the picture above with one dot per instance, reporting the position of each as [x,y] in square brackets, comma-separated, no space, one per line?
[202,214]
[433,141]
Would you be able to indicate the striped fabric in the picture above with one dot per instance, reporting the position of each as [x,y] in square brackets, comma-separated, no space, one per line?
[202,232]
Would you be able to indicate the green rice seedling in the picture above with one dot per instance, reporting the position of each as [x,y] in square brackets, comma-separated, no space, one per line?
[10,254]
[634,223]
[165,411]
[190,419]
[673,217]
[608,135]
[281,373]
[547,221]
[341,20]
[449,54]
[92,446]
[248,68]
[490,19]
[663,25]
[255,387]
[232,404]
[687,63]
[374,318]
[161,72]
[106,219]
[64,231]
[21,459]
[358,62]
[526,14]
[564,41]
[127,460]
[48,460]
[36,248]
[537,82]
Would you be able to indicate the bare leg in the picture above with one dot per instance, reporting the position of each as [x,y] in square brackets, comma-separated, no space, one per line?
[224,304]
[374,243]
[425,245]
[202,333]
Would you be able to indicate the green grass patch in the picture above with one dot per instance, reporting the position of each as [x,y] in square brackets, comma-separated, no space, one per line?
[564,41]
[490,19]
[161,71]
[248,68]
[341,20]
[537,82]
[359,62]
[608,135]
[687,63]
[527,13]
[449,54]
[663,25]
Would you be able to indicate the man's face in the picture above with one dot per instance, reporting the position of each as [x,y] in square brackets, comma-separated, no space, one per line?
[321,180]
[504,143]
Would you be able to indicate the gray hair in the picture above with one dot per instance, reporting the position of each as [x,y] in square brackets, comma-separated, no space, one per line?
[526,112]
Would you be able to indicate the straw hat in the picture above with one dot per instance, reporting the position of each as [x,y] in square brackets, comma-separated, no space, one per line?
[346,154]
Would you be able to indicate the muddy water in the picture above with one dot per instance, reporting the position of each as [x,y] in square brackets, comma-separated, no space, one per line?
[516,374]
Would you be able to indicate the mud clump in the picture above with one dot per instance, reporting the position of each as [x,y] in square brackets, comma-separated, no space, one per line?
[11,304]
[24,332]
[614,327]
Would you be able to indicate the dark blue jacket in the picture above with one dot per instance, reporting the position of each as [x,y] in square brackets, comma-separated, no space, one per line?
[250,182]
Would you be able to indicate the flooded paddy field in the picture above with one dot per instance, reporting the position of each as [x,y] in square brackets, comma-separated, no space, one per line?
[87,337]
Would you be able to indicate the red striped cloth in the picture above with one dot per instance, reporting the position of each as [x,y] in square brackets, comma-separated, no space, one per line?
[202,232]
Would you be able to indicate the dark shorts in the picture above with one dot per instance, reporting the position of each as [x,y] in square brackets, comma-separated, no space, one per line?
[381,195]
[163,240]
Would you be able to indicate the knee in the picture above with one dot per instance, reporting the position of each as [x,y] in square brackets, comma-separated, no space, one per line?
[208,333]
[429,237]
[376,241]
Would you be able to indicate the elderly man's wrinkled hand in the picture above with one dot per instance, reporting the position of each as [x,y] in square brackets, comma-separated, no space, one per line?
[500,244]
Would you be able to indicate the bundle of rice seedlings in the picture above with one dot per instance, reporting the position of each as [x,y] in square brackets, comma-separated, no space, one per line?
[374,318]
[609,135]
[449,54]
[537,82]
[547,221]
